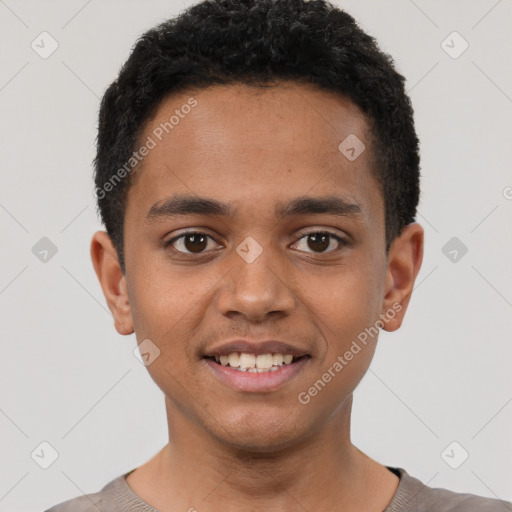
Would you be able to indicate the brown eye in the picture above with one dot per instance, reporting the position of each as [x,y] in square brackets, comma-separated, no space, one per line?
[190,243]
[319,241]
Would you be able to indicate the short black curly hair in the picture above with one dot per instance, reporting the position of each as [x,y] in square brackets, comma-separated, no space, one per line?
[256,42]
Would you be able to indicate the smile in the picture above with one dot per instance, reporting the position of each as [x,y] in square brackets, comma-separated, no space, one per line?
[256,372]
[255,363]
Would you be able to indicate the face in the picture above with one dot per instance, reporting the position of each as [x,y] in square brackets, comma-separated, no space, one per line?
[289,248]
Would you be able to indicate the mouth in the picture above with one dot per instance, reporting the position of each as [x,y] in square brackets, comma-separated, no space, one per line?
[256,363]
[257,373]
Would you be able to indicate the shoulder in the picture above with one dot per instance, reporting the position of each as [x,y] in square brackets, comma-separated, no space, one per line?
[86,503]
[414,495]
[107,500]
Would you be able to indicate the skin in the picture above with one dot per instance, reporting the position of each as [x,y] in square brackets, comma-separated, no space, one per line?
[255,148]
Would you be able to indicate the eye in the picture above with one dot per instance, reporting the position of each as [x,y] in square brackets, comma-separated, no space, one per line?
[194,242]
[319,241]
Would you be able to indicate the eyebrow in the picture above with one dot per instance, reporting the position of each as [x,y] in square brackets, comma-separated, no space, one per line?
[181,205]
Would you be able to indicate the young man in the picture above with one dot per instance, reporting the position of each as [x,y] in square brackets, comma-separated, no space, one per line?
[258,176]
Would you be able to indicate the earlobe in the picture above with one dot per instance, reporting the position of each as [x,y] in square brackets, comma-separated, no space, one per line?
[404,262]
[112,281]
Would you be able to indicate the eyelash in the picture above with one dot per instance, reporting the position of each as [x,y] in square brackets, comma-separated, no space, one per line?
[342,241]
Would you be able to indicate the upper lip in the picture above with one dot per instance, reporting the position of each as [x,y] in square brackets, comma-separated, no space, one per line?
[256,347]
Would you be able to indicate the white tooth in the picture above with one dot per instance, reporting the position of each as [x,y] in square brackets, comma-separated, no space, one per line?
[224,360]
[217,359]
[287,359]
[264,361]
[274,368]
[234,360]
[253,370]
[277,359]
[247,360]
[261,370]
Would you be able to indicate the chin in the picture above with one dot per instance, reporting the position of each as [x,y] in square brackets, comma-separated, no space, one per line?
[261,434]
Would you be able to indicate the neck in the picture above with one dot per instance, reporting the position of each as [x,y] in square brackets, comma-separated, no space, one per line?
[324,471]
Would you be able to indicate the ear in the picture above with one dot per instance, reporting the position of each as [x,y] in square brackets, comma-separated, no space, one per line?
[403,264]
[112,281]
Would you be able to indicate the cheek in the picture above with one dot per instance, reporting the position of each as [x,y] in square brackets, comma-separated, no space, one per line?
[169,308]
[345,323]
[347,310]
[166,312]
[161,299]
[350,298]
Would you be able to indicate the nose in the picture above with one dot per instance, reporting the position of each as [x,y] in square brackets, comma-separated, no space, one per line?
[255,289]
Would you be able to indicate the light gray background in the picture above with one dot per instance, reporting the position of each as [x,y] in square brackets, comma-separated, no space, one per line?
[69,379]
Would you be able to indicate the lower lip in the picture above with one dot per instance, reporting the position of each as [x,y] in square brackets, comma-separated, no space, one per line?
[254,381]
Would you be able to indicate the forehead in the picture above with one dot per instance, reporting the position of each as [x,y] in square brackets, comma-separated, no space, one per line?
[253,146]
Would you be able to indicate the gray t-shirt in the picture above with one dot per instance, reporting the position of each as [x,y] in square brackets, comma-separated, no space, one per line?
[411,496]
